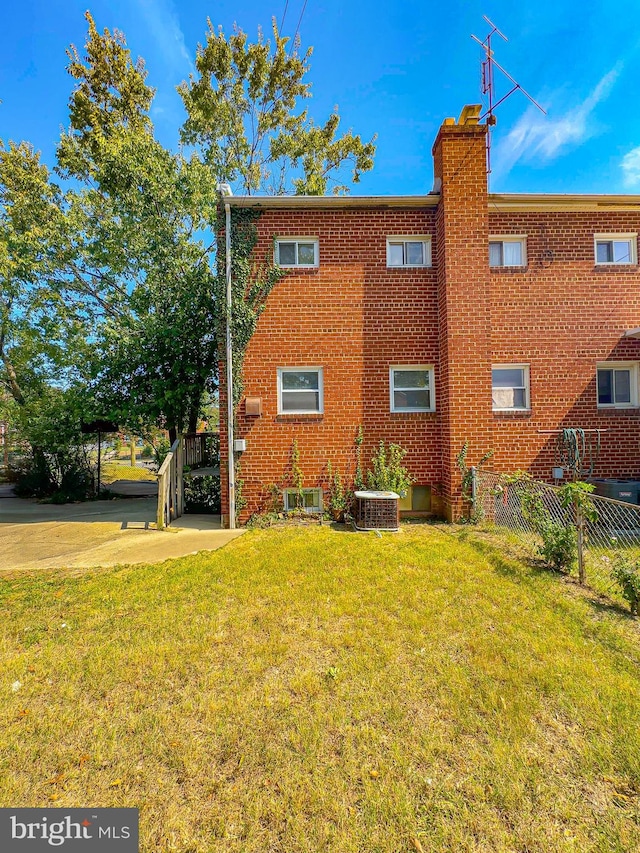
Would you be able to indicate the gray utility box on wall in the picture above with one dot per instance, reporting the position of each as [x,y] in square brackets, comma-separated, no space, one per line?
[627,491]
[377,511]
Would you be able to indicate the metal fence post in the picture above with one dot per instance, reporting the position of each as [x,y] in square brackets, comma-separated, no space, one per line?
[580,532]
[474,490]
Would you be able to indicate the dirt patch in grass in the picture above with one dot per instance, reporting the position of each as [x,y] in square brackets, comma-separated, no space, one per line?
[313,689]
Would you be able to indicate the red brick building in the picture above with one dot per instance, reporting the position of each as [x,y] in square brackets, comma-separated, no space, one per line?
[434,320]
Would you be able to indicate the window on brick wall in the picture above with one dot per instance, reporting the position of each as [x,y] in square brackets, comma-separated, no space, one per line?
[307,500]
[616,248]
[412,388]
[296,252]
[408,251]
[510,387]
[617,384]
[300,390]
[508,251]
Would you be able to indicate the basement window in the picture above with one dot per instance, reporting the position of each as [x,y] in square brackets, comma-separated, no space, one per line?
[510,387]
[509,251]
[300,391]
[616,248]
[617,385]
[297,252]
[408,251]
[307,500]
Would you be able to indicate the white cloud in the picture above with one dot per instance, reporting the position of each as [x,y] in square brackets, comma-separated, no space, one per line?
[539,137]
[163,23]
[631,167]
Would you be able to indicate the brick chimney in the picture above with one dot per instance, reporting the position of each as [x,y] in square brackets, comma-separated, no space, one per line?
[462,259]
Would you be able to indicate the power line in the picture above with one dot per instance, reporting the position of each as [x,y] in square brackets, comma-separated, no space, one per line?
[299,22]
[284,15]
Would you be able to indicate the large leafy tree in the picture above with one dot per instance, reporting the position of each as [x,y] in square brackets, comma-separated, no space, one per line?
[116,276]
[245,115]
[146,209]
[41,334]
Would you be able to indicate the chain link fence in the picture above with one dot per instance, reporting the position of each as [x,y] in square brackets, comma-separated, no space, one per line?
[505,501]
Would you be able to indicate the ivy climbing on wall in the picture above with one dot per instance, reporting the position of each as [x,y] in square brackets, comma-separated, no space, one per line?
[251,283]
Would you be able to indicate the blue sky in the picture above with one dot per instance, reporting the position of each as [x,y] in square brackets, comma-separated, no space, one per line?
[394,68]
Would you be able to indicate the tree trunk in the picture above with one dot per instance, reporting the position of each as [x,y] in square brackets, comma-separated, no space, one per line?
[173,434]
[14,387]
[4,428]
[133,451]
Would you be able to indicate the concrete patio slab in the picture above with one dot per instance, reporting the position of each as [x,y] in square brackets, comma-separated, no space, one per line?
[99,533]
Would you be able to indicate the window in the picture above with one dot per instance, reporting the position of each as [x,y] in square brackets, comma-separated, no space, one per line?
[617,385]
[297,252]
[510,387]
[507,251]
[412,389]
[409,251]
[299,390]
[308,500]
[616,248]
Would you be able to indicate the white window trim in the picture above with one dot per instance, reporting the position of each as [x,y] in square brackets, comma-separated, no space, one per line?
[510,238]
[309,369]
[424,238]
[632,367]
[316,508]
[276,252]
[432,388]
[632,239]
[527,388]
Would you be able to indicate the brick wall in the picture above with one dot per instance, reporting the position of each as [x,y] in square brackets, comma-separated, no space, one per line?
[563,315]
[355,318]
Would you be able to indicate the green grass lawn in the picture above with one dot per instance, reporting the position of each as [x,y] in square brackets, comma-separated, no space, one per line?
[312,689]
[112,471]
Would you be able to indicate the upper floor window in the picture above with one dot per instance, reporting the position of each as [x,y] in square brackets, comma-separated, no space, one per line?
[616,248]
[509,251]
[412,389]
[617,384]
[297,252]
[300,390]
[510,387]
[409,251]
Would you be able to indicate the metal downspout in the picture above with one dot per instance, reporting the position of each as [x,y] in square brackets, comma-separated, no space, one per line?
[225,190]
[230,453]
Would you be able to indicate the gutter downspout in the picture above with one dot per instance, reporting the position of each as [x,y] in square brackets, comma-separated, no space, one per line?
[225,191]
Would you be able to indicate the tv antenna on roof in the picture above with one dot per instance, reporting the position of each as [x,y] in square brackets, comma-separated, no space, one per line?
[487,87]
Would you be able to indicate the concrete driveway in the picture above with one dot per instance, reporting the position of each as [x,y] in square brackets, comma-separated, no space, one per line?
[98,533]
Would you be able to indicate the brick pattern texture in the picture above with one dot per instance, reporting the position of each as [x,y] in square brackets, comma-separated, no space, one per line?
[355,318]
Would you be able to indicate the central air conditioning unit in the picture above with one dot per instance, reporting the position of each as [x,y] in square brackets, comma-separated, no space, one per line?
[377,511]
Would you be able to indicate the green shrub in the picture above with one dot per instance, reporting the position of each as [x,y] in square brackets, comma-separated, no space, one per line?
[626,573]
[559,547]
[34,478]
[387,473]
[340,496]
[160,450]
[62,477]
[202,494]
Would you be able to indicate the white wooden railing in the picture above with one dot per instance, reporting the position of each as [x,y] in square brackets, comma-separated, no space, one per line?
[171,486]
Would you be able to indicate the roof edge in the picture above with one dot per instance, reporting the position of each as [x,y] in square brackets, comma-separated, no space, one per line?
[331,202]
[496,201]
[562,201]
